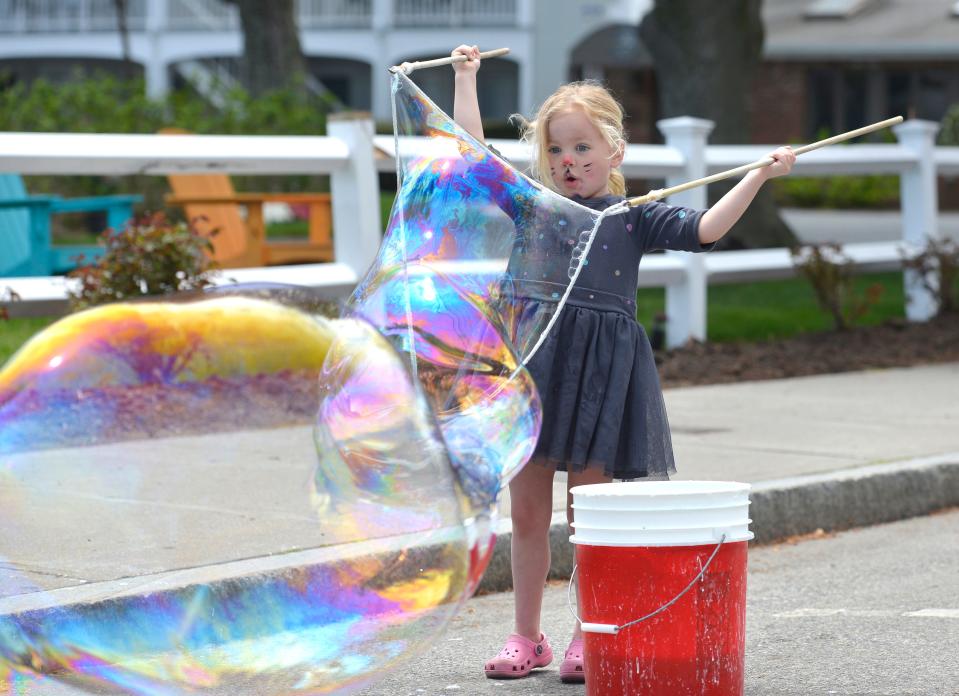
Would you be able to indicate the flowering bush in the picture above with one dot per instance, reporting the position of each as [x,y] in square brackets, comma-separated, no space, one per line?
[151,256]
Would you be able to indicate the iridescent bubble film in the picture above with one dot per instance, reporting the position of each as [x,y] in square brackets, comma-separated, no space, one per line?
[174,516]
[474,263]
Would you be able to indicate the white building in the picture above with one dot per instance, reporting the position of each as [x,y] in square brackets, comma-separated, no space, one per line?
[828,64]
[348,43]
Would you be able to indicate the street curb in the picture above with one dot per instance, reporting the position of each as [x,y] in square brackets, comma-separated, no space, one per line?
[781,508]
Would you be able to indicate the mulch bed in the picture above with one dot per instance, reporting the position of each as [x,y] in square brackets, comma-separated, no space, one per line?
[107,414]
[893,344]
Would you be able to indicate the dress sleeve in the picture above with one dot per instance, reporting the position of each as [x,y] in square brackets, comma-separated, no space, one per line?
[672,227]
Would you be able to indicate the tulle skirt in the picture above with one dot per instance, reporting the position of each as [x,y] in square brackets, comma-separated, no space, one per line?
[602,402]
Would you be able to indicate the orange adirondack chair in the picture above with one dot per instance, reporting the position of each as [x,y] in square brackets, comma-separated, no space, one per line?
[211,204]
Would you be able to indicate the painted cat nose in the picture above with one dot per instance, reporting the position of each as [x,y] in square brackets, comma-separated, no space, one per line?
[567,160]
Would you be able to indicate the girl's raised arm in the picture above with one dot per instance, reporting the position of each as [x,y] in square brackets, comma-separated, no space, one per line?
[466,111]
[719,219]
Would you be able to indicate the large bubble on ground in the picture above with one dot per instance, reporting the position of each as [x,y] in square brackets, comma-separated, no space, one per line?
[223,495]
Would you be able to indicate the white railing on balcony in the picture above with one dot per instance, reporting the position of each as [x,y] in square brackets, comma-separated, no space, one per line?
[335,14]
[203,15]
[454,13]
[58,16]
[87,16]
[347,154]
[215,15]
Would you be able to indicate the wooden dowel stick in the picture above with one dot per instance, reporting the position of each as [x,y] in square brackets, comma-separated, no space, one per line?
[449,60]
[656,194]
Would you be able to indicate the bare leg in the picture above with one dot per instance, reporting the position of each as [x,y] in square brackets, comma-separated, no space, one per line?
[531,509]
[581,478]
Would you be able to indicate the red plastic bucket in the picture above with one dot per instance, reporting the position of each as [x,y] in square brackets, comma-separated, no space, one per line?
[639,546]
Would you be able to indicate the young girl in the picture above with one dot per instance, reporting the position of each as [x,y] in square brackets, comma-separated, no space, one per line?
[603,411]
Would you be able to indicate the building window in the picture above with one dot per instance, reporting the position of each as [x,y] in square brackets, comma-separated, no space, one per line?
[842,98]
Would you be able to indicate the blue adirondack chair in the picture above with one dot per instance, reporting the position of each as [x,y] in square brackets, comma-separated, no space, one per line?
[26,246]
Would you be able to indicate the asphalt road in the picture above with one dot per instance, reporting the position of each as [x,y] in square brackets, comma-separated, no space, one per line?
[872,611]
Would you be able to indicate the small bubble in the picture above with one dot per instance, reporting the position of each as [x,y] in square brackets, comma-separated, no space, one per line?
[562,223]
[605,246]
[616,272]
[555,295]
[649,213]
[629,227]
[681,214]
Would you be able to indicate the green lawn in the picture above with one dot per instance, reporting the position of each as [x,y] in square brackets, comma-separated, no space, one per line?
[297,229]
[15,332]
[775,308]
[737,312]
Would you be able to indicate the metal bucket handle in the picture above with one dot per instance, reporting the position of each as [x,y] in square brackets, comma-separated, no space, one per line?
[613,629]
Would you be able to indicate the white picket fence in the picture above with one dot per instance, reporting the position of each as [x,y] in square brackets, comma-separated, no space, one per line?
[353,156]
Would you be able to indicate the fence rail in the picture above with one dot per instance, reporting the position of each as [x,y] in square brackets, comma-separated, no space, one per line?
[353,157]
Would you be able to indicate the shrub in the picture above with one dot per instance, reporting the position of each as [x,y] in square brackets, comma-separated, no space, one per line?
[937,265]
[870,192]
[949,128]
[830,272]
[151,256]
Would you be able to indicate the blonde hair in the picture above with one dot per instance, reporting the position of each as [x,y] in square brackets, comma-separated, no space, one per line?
[600,107]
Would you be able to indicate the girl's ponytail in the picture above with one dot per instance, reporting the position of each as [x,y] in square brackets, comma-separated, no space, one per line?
[617,183]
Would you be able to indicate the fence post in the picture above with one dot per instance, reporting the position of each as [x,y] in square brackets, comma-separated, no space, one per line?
[686,302]
[920,204]
[355,190]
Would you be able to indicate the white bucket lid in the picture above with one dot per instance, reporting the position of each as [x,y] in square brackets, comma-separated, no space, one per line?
[661,513]
[661,519]
[654,495]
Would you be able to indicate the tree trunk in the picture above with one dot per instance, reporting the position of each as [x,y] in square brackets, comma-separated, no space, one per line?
[704,55]
[120,6]
[272,56]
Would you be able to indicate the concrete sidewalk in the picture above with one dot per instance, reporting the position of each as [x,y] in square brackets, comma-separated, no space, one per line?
[831,452]
[826,452]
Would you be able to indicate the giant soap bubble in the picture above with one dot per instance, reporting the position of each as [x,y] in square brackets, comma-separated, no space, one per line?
[167,524]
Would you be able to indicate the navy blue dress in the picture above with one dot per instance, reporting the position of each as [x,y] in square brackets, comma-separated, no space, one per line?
[596,375]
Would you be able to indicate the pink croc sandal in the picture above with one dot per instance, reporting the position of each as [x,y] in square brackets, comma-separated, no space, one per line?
[571,669]
[518,657]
